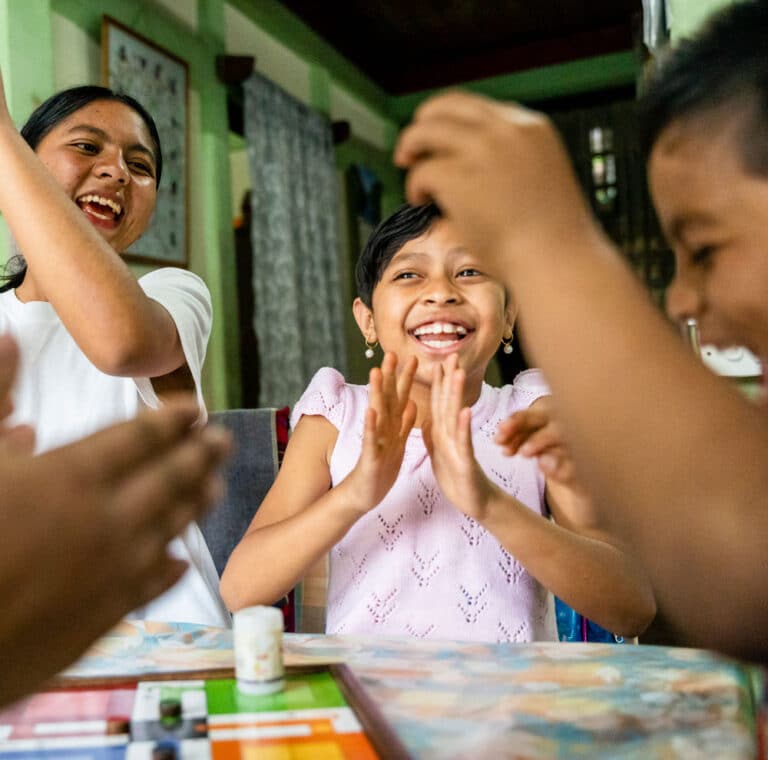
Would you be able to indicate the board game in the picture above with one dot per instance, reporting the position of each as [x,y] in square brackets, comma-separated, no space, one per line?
[322,714]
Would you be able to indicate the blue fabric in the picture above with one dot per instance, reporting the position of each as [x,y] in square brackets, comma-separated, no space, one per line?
[573,627]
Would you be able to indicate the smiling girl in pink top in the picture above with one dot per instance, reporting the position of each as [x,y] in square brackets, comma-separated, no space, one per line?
[432,531]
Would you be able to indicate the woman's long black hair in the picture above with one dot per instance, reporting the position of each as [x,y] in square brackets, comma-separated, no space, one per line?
[45,117]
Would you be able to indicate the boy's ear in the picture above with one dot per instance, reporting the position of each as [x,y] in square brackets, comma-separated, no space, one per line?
[364,319]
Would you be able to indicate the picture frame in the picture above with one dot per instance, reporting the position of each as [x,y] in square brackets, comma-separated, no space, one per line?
[159,80]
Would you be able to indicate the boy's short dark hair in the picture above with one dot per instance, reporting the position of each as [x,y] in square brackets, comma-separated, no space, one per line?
[722,68]
[407,223]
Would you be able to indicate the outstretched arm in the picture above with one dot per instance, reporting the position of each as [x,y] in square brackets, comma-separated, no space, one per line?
[674,458]
[84,529]
[574,559]
[300,518]
[120,329]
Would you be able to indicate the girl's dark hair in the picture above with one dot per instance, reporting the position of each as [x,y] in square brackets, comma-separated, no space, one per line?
[50,113]
[406,223]
[723,66]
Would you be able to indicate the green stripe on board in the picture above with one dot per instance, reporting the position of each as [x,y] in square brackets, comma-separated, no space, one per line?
[302,692]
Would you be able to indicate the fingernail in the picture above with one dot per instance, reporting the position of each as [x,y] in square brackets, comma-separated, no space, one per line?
[526,449]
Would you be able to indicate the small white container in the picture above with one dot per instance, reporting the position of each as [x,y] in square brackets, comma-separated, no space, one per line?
[258,638]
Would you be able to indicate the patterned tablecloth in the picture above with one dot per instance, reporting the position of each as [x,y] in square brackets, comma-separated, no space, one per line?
[463,700]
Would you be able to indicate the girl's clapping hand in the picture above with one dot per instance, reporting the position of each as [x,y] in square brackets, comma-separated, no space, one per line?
[388,421]
[448,438]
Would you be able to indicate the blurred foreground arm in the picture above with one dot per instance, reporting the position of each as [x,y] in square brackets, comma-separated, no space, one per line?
[84,529]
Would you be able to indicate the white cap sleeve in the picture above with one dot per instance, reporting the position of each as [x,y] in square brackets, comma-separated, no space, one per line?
[528,386]
[186,298]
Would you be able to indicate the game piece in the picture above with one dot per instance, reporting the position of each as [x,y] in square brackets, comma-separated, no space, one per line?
[117,725]
[170,712]
[258,639]
[170,708]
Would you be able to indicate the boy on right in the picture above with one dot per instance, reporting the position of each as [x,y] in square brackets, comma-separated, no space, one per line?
[675,457]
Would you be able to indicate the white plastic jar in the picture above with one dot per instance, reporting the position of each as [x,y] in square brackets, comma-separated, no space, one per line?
[258,640]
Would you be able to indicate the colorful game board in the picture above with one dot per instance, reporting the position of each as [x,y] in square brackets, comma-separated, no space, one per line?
[446,700]
[194,720]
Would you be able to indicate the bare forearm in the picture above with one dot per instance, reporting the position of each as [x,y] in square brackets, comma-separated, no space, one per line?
[592,576]
[271,560]
[79,273]
[674,451]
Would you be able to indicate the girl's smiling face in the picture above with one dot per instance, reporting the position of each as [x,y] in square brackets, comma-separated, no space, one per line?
[434,299]
[101,156]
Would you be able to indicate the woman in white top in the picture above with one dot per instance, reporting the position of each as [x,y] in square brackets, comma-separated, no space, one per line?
[79,187]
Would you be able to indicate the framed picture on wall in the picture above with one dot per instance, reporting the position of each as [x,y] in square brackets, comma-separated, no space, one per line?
[158,79]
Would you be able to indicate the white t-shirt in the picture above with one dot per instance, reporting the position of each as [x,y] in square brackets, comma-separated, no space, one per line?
[65,397]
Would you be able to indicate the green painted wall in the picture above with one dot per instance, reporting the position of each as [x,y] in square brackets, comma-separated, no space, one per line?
[25,35]
[585,75]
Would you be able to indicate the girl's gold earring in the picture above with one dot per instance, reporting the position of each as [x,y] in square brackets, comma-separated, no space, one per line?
[507,343]
[369,349]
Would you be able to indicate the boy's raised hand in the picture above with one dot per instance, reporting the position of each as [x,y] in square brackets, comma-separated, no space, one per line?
[498,171]
[534,432]
[388,421]
[448,438]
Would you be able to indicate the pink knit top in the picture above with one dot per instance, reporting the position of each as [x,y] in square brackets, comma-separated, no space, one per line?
[415,565]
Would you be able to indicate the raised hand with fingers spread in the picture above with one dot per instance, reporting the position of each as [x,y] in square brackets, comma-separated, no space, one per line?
[388,422]
[448,438]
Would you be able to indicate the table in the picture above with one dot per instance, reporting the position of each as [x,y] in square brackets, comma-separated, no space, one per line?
[464,700]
